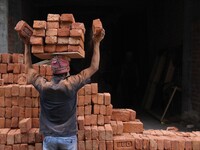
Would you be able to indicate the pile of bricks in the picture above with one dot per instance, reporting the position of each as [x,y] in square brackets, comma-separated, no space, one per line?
[60,33]
[100,126]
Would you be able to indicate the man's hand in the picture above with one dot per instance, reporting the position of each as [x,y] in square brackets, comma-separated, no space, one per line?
[97,38]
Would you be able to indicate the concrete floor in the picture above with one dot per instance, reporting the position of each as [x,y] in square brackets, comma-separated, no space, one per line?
[151,122]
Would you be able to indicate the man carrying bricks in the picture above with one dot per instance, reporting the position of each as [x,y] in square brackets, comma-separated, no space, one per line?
[58,122]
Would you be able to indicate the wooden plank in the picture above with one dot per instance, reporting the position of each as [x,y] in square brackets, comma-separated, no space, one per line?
[68,54]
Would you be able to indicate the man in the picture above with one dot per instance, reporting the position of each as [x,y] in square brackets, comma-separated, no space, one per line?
[58,122]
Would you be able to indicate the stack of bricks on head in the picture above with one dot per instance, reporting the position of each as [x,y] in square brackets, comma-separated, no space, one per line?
[100,126]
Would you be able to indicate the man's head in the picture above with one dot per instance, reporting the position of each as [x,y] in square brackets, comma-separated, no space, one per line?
[60,65]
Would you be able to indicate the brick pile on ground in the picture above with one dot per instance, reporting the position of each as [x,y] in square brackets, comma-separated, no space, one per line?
[100,126]
[59,33]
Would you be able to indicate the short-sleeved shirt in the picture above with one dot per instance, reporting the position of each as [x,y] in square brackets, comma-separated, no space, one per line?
[58,100]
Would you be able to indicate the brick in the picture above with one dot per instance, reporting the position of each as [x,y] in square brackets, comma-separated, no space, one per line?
[100,119]
[14,122]
[120,114]
[88,133]
[96,109]
[35,122]
[3,135]
[76,41]
[8,112]
[28,90]
[81,135]
[95,144]
[67,17]
[124,142]
[38,136]
[88,109]
[17,136]
[25,125]
[3,68]
[75,48]
[81,100]
[133,126]
[77,33]
[10,67]
[38,146]
[100,98]
[61,47]
[24,138]
[37,49]
[15,111]
[81,145]
[107,98]
[52,24]
[2,112]
[102,145]
[2,122]
[101,133]
[63,40]
[7,123]
[88,144]
[31,135]
[51,40]
[16,68]
[39,24]
[28,112]
[2,91]
[53,17]
[94,134]
[88,99]
[2,101]
[81,110]
[24,146]
[49,48]
[102,109]
[15,90]
[109,110]
[63,32]
[120,127]
[6,58]
[109,132]
[24,30]
[51,32]
[97,26]
[78,25]
[39,32]
[80,121]
[11,137]
[35,112]
[35,40]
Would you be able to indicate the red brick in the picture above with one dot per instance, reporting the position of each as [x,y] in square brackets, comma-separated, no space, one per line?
[78,25]
[24,30]
[3,135]
[3,68]
[15,90]
[77,33]
[101,133]
[88,144]
[11,137]
[97,26]
[88,133]
[100,119]
[123,142]
[76,41]
[31,135]
[64,32]
[63,40]
[25,125]
[81,145]
[52,24]
[34,40]
[39,24]
[100,98]
[109,132]
[37,49]
[17,136]
[61,47]
[39,32]
[38,146]
[6,58]
[14,122]
[67,17]
[16,68]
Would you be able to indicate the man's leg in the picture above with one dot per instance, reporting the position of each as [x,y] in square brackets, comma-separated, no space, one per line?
[67,143]
[50,143]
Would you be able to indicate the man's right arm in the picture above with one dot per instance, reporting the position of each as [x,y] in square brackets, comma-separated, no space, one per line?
[28,64]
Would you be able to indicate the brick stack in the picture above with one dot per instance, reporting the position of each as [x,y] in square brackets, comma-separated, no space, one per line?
[99,122]
[60,33]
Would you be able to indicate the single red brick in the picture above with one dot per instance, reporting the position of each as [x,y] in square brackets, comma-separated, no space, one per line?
[39,32]
[53,17]
[52,25]
[39,24]
[64,32]
[35,40]
[67,17]
[37,49]
[61,48]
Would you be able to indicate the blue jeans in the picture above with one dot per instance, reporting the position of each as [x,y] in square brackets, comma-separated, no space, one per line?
[60,143]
